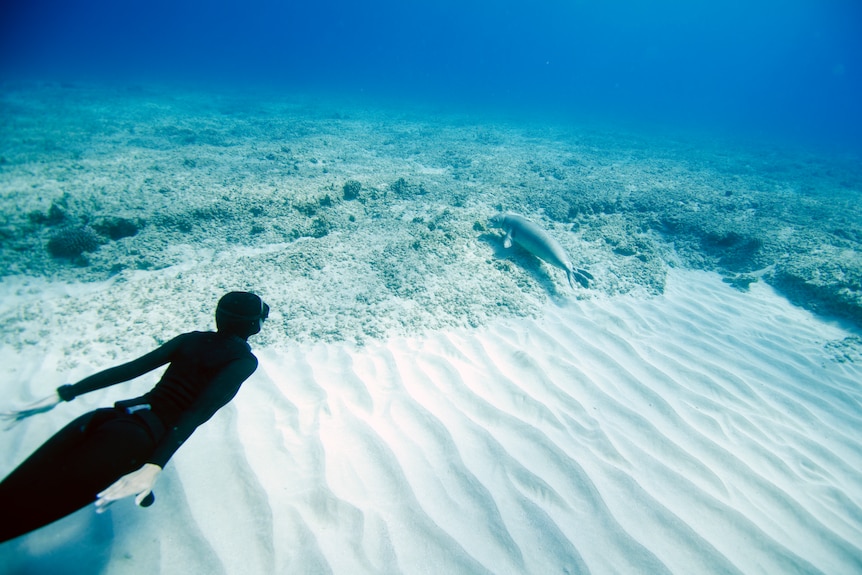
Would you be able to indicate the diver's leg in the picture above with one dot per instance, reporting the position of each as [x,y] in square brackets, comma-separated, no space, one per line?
[32,480]
[50,455]
[68,471]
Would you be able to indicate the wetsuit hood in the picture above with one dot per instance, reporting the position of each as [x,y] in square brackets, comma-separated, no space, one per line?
[241,314]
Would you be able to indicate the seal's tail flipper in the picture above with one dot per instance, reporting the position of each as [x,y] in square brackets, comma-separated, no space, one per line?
[583,277]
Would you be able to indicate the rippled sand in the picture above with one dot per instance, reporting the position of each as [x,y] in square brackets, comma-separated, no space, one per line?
[702,431]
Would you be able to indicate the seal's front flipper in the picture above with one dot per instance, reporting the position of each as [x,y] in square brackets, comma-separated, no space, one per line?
[507,243]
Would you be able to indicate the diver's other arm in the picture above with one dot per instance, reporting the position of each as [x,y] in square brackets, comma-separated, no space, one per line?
[138,483]
[114,375]
[40,406]
[105,378]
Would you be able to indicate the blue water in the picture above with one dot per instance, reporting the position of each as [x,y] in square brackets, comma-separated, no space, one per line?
[788,69]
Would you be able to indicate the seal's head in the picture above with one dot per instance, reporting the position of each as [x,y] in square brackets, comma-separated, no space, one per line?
[498,220]
[241,314]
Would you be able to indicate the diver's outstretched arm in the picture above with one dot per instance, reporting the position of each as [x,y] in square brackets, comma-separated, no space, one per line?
[114,375]
[104,378]
[45,404]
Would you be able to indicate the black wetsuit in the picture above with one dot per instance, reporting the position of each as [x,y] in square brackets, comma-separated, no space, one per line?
[88,455]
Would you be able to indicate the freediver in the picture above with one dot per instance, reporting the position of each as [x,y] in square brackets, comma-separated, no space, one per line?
[112,453]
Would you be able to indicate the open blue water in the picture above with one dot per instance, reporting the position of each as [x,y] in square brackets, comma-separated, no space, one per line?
[788,69]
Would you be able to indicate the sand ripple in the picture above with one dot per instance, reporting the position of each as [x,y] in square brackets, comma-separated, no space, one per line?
[703,431]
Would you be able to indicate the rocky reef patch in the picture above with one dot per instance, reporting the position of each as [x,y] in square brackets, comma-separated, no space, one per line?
[384,213]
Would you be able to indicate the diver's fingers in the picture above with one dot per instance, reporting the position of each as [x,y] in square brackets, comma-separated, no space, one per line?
[15,417]
[11,420]
[103,504]
[118,490]
[40,406]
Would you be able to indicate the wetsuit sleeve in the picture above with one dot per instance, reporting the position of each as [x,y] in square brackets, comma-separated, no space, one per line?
[121,373]
[219,392]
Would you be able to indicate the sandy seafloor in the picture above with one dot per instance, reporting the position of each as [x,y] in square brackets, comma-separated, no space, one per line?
[426,401]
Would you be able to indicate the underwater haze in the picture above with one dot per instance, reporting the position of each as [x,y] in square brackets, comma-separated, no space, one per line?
[762,67]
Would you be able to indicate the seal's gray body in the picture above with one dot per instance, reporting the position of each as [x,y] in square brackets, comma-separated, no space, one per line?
[537,241]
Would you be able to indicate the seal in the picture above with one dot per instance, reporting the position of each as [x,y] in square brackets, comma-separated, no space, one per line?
[535,240]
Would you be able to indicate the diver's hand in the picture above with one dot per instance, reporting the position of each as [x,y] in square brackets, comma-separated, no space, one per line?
[139,483]
[41,406]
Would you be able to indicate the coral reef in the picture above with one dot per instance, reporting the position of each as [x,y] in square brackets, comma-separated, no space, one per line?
[351,189]
[73,241]
[399,210]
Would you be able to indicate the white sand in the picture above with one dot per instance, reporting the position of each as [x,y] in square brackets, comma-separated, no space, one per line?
[702,431]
